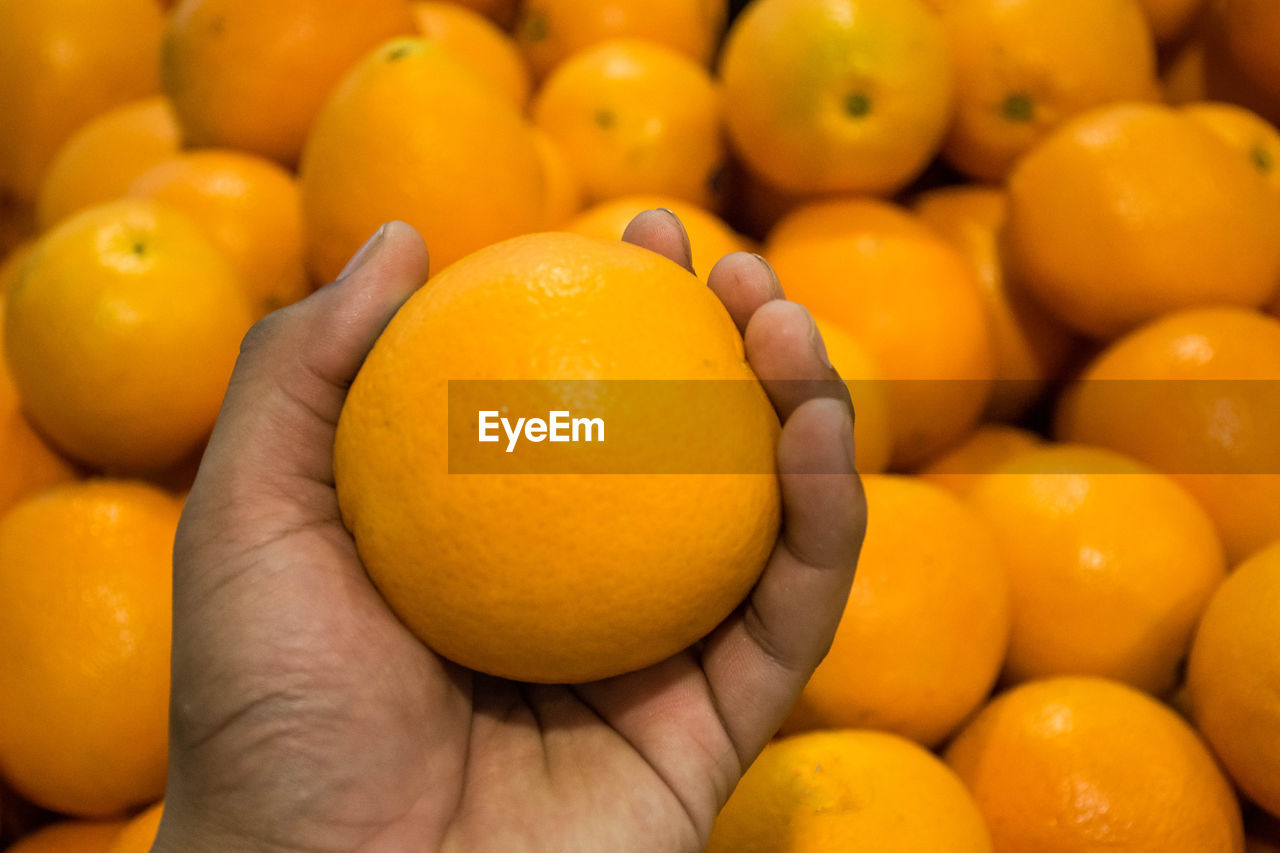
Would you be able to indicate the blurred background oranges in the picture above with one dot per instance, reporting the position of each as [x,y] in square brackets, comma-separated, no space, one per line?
[1040,238]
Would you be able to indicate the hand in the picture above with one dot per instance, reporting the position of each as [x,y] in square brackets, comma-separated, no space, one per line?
[305,717]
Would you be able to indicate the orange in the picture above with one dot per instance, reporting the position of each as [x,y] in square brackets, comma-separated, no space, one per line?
[139,833]
[248,207]
[562,192]
[479,43]
[826,96]
[907,296]
[534,575]
[872,432]
[1252,30]
[1233,674]
[1028,346]
[1246,131]
[70,836]
[121,335]
[102,158]
[254,78]
[30,464]
[709,237]
[84,681]
[62,62]
[1109,229]
[895,664]
[1110,564]
[1083,765]
[1193,394]
[987,448]
[1025,66]
[550,31]
[636,117]
[411,133]
[848,790]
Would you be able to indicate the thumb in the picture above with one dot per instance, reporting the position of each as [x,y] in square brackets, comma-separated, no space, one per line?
[281,408]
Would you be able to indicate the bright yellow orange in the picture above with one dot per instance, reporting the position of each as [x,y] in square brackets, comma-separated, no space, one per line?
[139,834]
[479,43]
[101,159]
[987,448]
[1193,394]
[709,237]
[121,335]
[1065,765]
[1110,564]
[30,463]
[1028,346]
[636,117]
[62,62]
[246,76]
[1246,131]
[550,31]
[70,836]
[562,191]
[814,108]
[248,207]
[872,431]
[1108,230]
[1252,31]
[895,664]
[92,633]
[1232,677]
[526,576]
[1025,66]
[411,108]
[907,296]
[848,790]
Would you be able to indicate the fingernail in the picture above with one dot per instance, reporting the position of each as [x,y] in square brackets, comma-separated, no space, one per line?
[364,253]
[819,346]
[773,276]
[684,235]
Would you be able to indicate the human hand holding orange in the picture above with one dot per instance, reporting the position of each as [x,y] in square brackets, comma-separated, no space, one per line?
[306,716]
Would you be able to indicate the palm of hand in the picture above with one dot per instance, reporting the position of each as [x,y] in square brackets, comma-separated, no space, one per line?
[306,717]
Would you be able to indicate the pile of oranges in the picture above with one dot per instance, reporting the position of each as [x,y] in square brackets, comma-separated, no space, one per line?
[1041,239]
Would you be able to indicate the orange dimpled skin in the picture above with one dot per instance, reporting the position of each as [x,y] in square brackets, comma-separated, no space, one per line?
[901,291]
[560,576]
[121,335]
[826,96]
[413,134]
[895,664]
[1131,211]
[636,117]
[246,76]
[1085,765]
[62,62]
[1110,564]
[1233,677]
[84,681]
[845,790]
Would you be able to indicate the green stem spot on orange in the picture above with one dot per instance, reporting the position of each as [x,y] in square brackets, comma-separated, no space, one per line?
[857,105]
[1018,107]
[1262,159]
[399,52]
